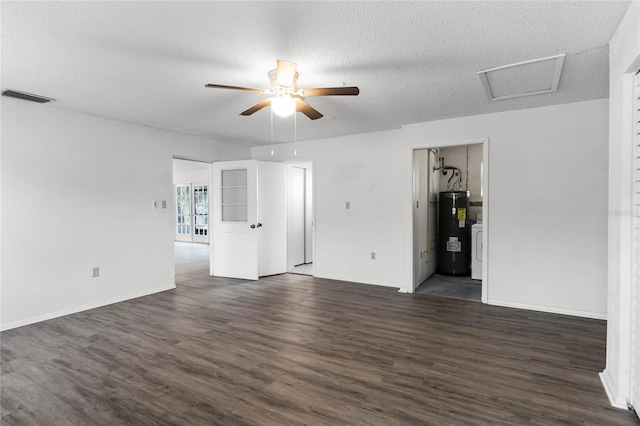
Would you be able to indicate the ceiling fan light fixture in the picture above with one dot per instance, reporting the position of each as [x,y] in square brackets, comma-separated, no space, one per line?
[283,105]
[287,98]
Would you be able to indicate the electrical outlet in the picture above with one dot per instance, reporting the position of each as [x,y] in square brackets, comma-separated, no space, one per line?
[95,272]
[347,205]
[164,204]
[373,255]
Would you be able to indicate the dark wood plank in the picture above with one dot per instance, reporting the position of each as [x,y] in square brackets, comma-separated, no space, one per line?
[292,349]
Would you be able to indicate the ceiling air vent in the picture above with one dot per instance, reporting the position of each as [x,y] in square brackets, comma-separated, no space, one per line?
[26,96]
[526,78]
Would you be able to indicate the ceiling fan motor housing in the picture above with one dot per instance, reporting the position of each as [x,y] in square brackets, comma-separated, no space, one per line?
[273,77]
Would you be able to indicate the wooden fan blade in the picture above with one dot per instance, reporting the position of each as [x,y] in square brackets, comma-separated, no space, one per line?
[286,72]
[306,109]
[332,91]
[221,86]
[257,107]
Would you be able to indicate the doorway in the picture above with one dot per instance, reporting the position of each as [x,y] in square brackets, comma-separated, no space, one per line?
[300,255]
[450,211]
[190,218]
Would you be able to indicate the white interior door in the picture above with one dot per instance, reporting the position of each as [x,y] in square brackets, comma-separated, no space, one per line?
[182,196]
[234,248]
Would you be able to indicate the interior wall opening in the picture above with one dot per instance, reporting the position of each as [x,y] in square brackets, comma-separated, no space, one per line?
[190,206]
[300,247]
[448,223]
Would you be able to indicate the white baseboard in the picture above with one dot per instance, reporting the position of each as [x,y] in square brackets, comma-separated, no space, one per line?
[85,307]
[325,277]
[613,400]
[549,309]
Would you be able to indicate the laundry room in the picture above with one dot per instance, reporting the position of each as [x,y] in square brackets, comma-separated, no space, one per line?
[448,221]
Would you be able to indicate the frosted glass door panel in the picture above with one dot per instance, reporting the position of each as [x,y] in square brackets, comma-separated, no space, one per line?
[234,195]
[233,200]
[236,177]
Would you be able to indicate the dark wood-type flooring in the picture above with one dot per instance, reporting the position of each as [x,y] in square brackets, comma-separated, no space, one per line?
[291,349]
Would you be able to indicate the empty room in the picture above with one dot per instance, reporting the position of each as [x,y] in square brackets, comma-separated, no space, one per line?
[320,213]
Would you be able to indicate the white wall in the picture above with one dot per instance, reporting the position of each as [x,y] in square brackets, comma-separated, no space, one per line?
[548,189]
[77,192]
[185,171]
[624,60]
[358,169]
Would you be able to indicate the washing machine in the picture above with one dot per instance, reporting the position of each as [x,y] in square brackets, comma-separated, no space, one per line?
[476,251]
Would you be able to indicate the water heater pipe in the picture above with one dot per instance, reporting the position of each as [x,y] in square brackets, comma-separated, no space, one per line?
[455,169]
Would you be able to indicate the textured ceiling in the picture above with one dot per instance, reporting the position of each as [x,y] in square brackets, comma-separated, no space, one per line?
[148,62]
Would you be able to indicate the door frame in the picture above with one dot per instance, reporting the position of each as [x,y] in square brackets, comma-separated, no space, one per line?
[617,377]
[313,207]
[485,205]
[634,341]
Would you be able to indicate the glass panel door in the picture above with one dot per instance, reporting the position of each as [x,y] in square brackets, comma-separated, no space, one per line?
[192,212]
[183,212]
[200,213]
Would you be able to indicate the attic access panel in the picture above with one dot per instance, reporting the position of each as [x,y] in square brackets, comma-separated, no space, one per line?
[526,78]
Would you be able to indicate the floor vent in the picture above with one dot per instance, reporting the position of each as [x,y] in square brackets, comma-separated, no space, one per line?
[26,96]
[526,78]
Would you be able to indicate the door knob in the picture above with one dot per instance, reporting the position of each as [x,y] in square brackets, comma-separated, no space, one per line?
[253,227]
[259,224]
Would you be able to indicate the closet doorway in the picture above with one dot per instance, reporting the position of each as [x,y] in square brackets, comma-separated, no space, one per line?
[300,252]
[450,212]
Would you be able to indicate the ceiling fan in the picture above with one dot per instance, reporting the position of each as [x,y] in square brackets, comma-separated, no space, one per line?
[287,97]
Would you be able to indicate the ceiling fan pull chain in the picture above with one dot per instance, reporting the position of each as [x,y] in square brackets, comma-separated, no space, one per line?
[295,135]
